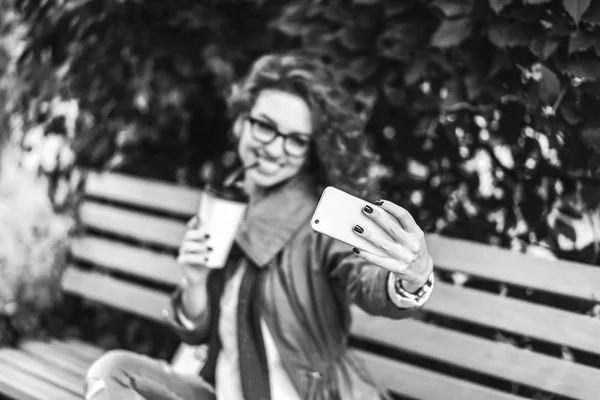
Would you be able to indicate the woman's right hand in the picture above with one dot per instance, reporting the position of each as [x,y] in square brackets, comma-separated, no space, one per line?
[193,251]
[192,257]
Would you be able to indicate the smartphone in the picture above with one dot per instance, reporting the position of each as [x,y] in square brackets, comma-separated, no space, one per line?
[338,212]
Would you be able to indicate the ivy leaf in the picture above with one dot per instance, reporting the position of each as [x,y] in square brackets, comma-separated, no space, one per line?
[442,62]
[499,5]
[592,15]
[581,41]
[454,8]
[587,70]
[544,47]
[415,71]
[509,34]
[336,13]
[4,60]
[592,88]
[500,62]
[549,85]
[576,8]
[474,85]
[355,37]
[362,68]
[394,9]
[592,137]
[453,95]
[400,40]
[569,114]
[291,20]
[315,34]
[289,28]
[315,10]
[452,33]
[560,28]
[590,194]
[392,89]
[567,227]
[367,97]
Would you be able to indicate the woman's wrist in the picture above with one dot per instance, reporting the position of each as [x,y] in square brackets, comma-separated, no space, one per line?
[413,286]
[194,299]
[403,299]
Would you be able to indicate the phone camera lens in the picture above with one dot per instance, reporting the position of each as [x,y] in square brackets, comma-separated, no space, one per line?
[316,221]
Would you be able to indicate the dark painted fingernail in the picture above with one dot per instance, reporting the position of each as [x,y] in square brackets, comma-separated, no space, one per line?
[368,209]
[209,248]
[206,236]
[379,202]
[357,251]
[358,229]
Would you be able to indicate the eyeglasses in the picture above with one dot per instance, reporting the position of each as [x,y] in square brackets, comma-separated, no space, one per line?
[294,144]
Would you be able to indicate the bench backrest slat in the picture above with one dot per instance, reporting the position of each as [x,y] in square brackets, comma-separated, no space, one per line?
[116,256]
[517,316]
[420,383]
[477,354]
[117,293]
[146,193]
[139,226]
[577,280]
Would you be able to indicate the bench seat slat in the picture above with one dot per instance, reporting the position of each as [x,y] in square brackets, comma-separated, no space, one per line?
[41,369]
[139,226]
[73,351]
[53,356]
[116,293]
[143,192]
[517,316]
[420,383]
[87,351]
[485,261]
[92,350]
[22,386]
[121,257]
[488,357]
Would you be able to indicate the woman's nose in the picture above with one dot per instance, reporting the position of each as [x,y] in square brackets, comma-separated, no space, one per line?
[275,148]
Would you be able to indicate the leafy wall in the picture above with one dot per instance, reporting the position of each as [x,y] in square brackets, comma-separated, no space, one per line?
[485,112]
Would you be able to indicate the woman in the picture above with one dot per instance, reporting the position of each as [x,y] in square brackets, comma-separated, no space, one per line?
[278,315]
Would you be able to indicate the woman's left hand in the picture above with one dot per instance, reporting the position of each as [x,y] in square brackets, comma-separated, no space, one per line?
[404,245]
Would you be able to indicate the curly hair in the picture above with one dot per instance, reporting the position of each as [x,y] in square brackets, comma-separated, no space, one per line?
[340,154]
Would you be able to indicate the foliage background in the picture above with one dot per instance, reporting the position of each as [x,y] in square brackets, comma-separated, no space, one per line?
[485,112]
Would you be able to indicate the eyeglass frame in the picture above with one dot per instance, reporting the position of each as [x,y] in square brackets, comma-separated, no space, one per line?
[253,121]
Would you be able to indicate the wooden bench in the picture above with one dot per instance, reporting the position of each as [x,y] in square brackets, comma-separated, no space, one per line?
[134,226]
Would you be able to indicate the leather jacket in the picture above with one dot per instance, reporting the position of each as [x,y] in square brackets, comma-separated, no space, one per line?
[308,290]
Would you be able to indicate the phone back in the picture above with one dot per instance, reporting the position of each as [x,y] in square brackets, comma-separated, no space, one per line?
[338,212]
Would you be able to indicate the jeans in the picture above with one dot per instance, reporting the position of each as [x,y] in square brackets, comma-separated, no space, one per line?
[125,375]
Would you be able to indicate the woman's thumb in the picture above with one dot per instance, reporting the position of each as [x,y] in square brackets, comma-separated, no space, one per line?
[194,222]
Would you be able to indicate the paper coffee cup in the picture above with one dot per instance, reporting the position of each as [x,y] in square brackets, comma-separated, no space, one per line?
[220,212]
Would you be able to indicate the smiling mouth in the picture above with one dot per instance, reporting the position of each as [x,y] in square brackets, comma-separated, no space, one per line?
[268,165]
[268,159]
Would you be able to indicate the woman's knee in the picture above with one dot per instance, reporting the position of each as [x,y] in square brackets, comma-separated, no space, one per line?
[110,369]
[111,363]
[121,374]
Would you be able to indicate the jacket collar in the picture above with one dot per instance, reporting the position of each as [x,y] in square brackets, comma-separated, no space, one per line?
[274,220]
